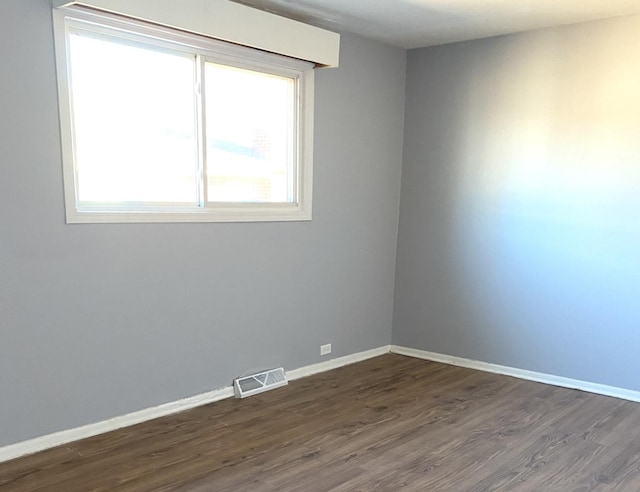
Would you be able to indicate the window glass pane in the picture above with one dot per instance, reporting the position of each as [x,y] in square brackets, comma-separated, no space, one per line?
[250,128]
[134,115]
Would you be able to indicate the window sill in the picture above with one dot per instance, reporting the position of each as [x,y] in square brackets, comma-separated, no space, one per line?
[250,213]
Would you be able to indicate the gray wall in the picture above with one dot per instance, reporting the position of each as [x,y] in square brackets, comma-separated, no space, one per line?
[519,240]
[100,320]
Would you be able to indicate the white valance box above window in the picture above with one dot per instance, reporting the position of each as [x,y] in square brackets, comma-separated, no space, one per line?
[229,21]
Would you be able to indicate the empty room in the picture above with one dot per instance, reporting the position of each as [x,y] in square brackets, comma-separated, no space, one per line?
[322,245]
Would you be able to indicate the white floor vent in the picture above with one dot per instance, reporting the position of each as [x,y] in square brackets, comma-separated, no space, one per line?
[259,382]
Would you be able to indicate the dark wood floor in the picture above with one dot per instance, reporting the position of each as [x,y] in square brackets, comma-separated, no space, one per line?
[390,423]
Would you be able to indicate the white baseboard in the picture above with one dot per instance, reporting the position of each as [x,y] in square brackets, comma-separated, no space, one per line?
[539,377]
[66,436]
[303,372]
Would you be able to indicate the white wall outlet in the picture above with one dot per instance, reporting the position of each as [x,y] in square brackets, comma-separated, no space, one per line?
[325,349]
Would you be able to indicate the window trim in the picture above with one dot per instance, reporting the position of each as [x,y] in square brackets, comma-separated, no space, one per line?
[210,50]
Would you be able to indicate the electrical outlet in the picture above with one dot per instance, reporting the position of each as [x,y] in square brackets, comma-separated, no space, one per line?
[325,349]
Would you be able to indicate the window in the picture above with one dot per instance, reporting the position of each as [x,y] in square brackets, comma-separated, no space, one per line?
[164,126]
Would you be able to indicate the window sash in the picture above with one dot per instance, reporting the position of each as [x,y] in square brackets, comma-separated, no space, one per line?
[80,21]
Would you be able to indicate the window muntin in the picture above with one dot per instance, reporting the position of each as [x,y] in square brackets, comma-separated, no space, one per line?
[166,126]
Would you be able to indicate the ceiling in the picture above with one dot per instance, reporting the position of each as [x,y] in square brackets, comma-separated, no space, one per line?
[420,23]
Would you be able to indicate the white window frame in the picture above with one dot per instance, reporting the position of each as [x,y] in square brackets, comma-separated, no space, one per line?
[210,50]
